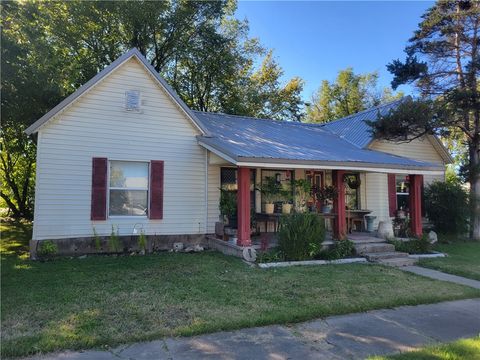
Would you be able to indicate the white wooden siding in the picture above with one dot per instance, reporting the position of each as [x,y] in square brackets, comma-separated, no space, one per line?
[376,199]
[213,197]
[377,184]
[419,149]
[97,125]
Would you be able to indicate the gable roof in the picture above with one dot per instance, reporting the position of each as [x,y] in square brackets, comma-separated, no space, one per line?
[246,140]
[355,130]
[132,53]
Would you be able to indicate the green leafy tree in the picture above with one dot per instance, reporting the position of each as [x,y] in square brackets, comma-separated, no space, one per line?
[443,62]
[50,48]
[348,94]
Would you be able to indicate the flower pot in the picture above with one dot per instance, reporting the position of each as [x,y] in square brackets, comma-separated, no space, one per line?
[286,208]
[269,208]
[326,209]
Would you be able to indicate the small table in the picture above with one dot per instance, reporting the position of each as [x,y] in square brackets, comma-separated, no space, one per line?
[355,217]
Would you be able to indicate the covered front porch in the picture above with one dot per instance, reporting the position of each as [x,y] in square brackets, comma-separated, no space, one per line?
[256,227]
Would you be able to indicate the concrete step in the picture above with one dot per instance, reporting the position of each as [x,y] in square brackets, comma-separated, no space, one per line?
[402,261]
[374,248]
[385,255]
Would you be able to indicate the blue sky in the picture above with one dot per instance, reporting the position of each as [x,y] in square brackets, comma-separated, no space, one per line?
[314,40]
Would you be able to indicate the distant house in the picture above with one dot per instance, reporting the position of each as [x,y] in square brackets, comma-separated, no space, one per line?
[124,151]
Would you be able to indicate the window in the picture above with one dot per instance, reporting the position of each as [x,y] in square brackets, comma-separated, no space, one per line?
[228,181]
[285,179]
[403,190]
[352,190]
[128,188]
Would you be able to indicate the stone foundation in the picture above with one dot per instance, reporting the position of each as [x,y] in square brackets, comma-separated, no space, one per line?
[128,244]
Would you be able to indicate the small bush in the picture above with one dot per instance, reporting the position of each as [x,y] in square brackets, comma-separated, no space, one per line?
[98,241]
[113,240]
[301,236]
[341,249]
[413,246]
[48,249]
[446,205]
[142,241]
[270,256]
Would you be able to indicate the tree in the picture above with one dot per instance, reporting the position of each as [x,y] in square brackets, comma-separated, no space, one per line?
[443,62]
[51,48]
[349,94]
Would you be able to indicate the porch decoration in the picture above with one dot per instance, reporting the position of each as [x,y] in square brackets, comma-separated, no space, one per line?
[228,207]
[269,189]
[286,196]
[353,181]
[326,195]
[303,189]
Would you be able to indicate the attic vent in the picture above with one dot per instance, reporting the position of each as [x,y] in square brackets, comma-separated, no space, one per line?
[132,100]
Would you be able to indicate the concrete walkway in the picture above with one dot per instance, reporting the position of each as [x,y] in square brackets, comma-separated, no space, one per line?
[354,336]
[438,275]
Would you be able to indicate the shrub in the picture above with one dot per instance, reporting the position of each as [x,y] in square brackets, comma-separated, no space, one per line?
[48,249]
[98,241]
[142,241]
[446,205]
[413,246]
[113,240]
[341,249]
[270,256]
[301,236]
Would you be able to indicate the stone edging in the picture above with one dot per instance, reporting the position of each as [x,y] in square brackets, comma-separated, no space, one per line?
[435,254]
[310,262]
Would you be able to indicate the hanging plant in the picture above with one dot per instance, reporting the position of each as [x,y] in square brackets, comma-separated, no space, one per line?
[353,182]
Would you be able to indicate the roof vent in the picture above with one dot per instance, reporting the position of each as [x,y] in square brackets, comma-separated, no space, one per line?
[132,100]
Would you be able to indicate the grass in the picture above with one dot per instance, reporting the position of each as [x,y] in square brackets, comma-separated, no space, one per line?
[458,350]
[104,301]
[463,259]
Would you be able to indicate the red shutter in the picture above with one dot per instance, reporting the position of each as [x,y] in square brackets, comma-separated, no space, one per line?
[156,189]
[99,189]
[392,194]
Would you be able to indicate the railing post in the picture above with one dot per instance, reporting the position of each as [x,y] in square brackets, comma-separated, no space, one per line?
[340,223]
[416,182]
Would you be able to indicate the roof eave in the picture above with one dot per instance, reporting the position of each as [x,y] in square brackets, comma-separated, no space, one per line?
[102,75]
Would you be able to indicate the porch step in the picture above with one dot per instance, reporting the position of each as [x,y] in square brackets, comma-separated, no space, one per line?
[378,256]
[369,248]
[401,261]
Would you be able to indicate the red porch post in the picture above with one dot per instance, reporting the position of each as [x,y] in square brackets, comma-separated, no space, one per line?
[416,182]
[243,207]
[340,223]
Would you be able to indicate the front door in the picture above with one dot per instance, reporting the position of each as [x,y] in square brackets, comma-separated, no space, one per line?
[316,181]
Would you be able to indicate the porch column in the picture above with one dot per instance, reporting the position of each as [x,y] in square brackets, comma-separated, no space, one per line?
[416,182]
[243,207]
[340,223]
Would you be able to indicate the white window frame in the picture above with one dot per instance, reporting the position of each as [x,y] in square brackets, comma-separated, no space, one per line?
[121,188]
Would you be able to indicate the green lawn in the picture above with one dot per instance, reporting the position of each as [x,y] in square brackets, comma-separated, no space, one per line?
[103,301]
[459,350]
[463,259]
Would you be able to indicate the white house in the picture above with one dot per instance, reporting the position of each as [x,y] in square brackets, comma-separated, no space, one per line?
[124,151]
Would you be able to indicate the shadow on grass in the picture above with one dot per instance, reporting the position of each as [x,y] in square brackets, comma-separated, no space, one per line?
[15,236]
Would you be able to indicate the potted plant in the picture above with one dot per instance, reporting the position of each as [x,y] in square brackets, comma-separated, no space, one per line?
[286,201]
[303,189]
[228,208]
[326,195]
[269,188]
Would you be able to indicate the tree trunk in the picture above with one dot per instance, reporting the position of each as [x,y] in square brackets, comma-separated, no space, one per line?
[474,192]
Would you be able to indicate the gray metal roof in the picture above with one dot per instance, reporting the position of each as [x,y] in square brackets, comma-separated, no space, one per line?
[354,129]
[249,139]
